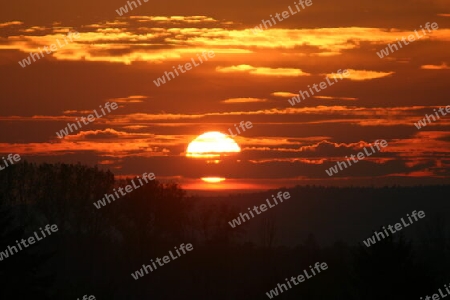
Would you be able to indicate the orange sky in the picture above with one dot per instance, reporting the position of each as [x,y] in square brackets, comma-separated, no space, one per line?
[250,78]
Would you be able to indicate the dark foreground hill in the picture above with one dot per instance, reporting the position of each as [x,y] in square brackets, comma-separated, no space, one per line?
[347,214]
[95,251]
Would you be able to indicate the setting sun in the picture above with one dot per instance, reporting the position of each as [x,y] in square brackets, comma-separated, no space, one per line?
[212,144]
[213,179]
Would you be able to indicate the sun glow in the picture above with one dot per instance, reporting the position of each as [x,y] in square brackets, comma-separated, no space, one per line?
[213,179]
[212,144]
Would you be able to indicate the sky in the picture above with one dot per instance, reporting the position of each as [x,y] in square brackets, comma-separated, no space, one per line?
[251,77]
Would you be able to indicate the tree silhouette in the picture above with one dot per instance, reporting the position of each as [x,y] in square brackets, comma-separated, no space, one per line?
[21,273]
[387,270]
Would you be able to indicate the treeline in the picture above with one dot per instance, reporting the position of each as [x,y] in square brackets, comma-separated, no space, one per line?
[95,251]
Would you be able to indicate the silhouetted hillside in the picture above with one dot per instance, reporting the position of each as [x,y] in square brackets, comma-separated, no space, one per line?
[95,251]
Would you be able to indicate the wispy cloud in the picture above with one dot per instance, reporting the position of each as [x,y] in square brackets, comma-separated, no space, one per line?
[264,71]
[442,66]
[130,99]
[360,75]
[243,100]
[335,98]
[175,19]
[11,23]
[284,94]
